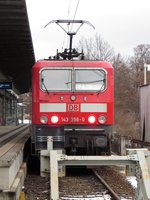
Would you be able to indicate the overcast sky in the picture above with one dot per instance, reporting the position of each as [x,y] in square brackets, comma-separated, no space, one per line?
[122,23]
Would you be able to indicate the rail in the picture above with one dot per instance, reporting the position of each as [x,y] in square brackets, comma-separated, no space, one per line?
[115,196]
[9,135]
[18,136]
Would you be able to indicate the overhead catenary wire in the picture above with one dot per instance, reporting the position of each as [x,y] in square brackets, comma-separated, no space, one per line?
[75,13]
[68,12]
[73,20]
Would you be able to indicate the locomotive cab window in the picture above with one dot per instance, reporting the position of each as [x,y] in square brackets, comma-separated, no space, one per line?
[56,80]
[78,79]
[90,80]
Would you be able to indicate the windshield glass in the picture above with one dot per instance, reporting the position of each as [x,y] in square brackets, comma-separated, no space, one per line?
[56,79]
[90,79]
[72,80]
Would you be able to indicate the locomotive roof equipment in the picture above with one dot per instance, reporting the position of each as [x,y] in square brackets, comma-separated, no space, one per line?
[69,53]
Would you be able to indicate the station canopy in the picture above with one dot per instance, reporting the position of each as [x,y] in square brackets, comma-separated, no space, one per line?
[16,48]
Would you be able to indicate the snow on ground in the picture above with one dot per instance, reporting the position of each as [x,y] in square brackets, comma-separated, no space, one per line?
[105,197]
[132,180]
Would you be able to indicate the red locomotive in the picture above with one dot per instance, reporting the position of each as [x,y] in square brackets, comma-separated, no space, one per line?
[73,101]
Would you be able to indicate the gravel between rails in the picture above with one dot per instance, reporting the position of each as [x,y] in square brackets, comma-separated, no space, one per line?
[84,184]
[87,185]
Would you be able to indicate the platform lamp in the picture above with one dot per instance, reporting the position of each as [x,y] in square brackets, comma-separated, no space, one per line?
[146,69]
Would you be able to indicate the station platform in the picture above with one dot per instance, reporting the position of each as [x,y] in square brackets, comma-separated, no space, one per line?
[12,164]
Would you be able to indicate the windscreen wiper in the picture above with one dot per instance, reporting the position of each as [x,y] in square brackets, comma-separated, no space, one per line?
[42,81]
[68,82]
[101,86]
[90,81]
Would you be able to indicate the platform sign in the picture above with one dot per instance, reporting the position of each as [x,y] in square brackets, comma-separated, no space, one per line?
[5,85]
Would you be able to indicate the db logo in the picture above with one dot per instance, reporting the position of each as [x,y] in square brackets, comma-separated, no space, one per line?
[73,107]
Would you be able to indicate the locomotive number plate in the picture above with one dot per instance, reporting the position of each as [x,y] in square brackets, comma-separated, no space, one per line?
[72,119]
[73,107]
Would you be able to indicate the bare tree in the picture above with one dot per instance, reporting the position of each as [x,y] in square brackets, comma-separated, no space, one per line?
[126,101]
[96,48]
[128,78]
[141,56]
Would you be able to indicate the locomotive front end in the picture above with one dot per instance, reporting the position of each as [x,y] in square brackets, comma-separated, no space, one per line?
[73,102]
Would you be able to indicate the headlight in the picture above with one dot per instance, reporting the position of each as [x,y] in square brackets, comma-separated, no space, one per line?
[43,119]
[102,119]
[91,119]
[54,119]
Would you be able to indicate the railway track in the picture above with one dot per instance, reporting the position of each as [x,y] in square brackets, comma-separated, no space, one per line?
[102,183]
[132,142]
[83,184]
[115,182]
[10,138]
[9,135]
